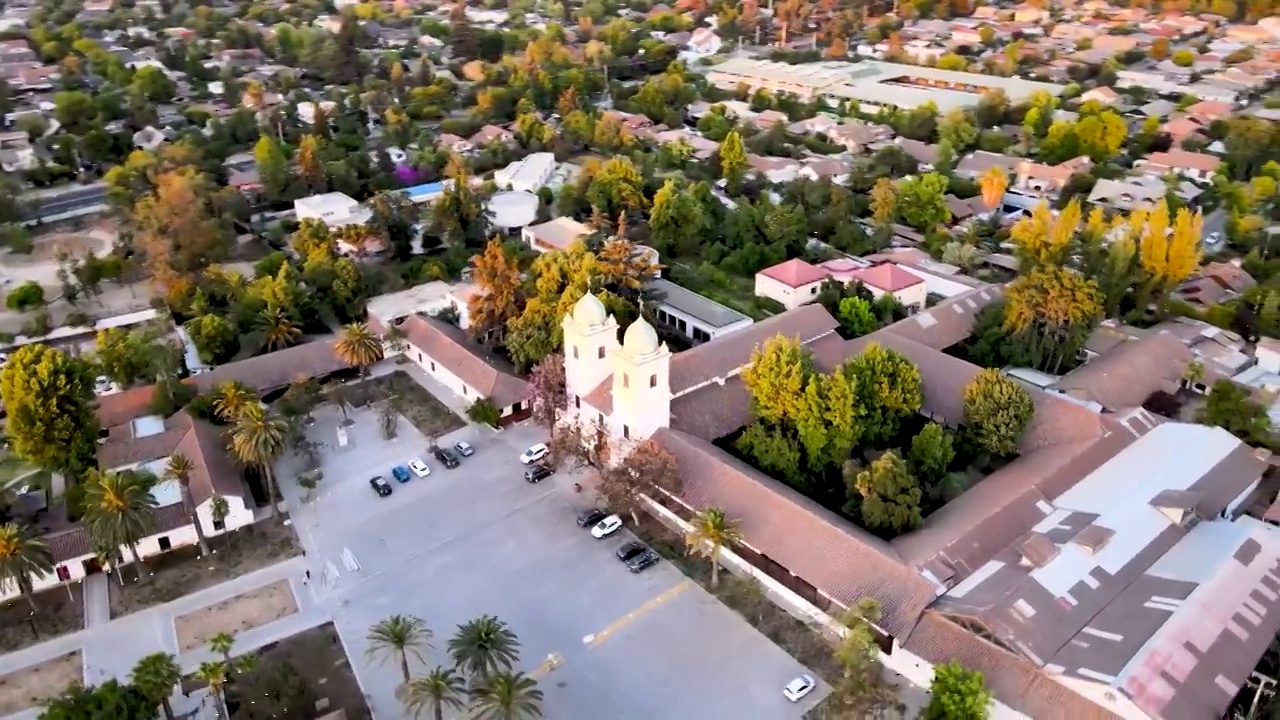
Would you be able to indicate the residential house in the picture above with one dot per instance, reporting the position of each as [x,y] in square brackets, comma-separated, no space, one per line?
[792,283]
[492,134]
[1214,284]
[818,124]
[704,42]
[16,51]
[832,168]
[1038,179]
[149,138]
[453,143]
[16,153]
[768,118]
[890,279]
[557,234]
[856,136]
[336,210]
[773,169]
[702,148]
[1137,192]
[1190,165]
[307,110]
[1103,95]
[972,166]
[1160,109]
[1129,373]
[529,173]
[1180,128]
[1207,111]
[925,154]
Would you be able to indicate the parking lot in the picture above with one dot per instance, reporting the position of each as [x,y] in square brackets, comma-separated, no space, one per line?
[479,540]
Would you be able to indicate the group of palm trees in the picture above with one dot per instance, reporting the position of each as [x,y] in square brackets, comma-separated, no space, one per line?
[156,675]
[480,680]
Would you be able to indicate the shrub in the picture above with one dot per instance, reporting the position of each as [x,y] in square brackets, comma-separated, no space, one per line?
[26,296]
[79,318]
[484,411]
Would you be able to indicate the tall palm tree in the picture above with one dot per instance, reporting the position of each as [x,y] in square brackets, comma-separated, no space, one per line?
[399,636]
[222,644]
[231,398]
[258,438]
[155,677]
[23,557]
[484,646]
[359,346]
[178,469]
[993,182]
[711,531]
[507,696]
[214,674]
[118,509]
[219,509]
[278,330]
[437,690]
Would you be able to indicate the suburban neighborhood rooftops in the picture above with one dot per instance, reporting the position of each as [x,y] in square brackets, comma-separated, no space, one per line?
[1129,373]
[276,370]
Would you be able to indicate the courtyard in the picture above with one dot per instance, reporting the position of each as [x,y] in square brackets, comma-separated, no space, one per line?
[479,540]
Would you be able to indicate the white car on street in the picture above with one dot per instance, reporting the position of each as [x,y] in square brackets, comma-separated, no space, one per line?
[419,468]
[798,688]
[534,453]
[606,527]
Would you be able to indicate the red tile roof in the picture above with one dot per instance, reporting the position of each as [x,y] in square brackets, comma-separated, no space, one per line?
[483,372]
[887,277]
[794,273]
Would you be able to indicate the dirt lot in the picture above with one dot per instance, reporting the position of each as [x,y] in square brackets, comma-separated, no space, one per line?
[59,613]
[294,678]
[418,406]
[235,615]
[31,686]
[181,572]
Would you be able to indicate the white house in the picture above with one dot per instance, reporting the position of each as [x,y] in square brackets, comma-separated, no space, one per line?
[704,41]
[449,355]
[307,110]
[1191,165]
[558,234]
[889,279]
[335,209]
[528,173]
[792,283]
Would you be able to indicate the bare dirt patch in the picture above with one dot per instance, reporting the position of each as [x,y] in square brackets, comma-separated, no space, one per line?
[235,615]
[30,686]
[432,417]
[60,611]
[182,572]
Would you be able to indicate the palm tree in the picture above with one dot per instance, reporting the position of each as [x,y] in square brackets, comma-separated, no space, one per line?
[222,644]
[712,530]
[437,690]
[484,646]
[258,438]
[231,398]
[219,509]
[399,636]
[23,557]
[358,346]
[178,469]
[214,674]
[155,676]
[118,509]
[278,329]
[993,182]
[507,696]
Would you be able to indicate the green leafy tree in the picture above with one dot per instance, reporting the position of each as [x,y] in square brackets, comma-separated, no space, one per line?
[890,496]
[48,397]
[920,201]
[507,696]
[109,701]
[156,676]
[483,647]
[439,690]
[996,412]
[733,158]
[119,510]
[677,221]
[126,357]
[931,452]
[829,421]
[273,166]
[399,637]
[856,317]
[215,338]
[956,693]
[23,557]
[1231,408]
[776,378]
[711,530]
[773,449]
[888,388]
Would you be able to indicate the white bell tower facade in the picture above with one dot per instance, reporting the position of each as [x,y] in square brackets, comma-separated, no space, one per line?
[641,384]
[590,338]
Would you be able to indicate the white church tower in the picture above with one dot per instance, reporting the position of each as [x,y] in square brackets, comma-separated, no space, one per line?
[641,383]
[590,338]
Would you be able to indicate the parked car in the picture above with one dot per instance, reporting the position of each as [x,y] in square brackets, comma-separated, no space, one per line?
[538,473]
[463,448]
[380,486]
[400,473]
[534,453]
[587,518]
[606,527]
[630,550]
[798,688]
[446,458]
[419,468]
[644,560]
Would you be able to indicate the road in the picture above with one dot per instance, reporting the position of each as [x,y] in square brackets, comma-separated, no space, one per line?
[65,200]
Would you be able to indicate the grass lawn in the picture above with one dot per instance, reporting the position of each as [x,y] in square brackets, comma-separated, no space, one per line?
[182,572]
[429,415]
[60,611]
[305,676]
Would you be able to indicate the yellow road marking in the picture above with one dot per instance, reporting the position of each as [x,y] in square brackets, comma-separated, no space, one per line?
[625,620]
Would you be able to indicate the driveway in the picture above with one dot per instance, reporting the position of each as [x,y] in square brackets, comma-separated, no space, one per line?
[479,540]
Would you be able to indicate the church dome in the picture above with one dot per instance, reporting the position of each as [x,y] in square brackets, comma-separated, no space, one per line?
[589,311]
[640,339]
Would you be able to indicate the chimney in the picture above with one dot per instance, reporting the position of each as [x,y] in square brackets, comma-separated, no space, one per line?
[1178,505]
[1093,538]
[1036,550]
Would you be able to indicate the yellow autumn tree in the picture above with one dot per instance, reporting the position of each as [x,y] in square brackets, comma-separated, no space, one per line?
[498,285]
[1169,252]
[776,379]
[993,181]
[1052,310]
[1043,239]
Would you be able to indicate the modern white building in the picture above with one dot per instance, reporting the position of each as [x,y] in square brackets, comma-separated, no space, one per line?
[558,234]
[527,174]
[792,283]
[697,318]
[335,209]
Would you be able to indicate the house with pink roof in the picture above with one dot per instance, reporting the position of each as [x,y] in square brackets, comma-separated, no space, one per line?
[792,283]
[889,279]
